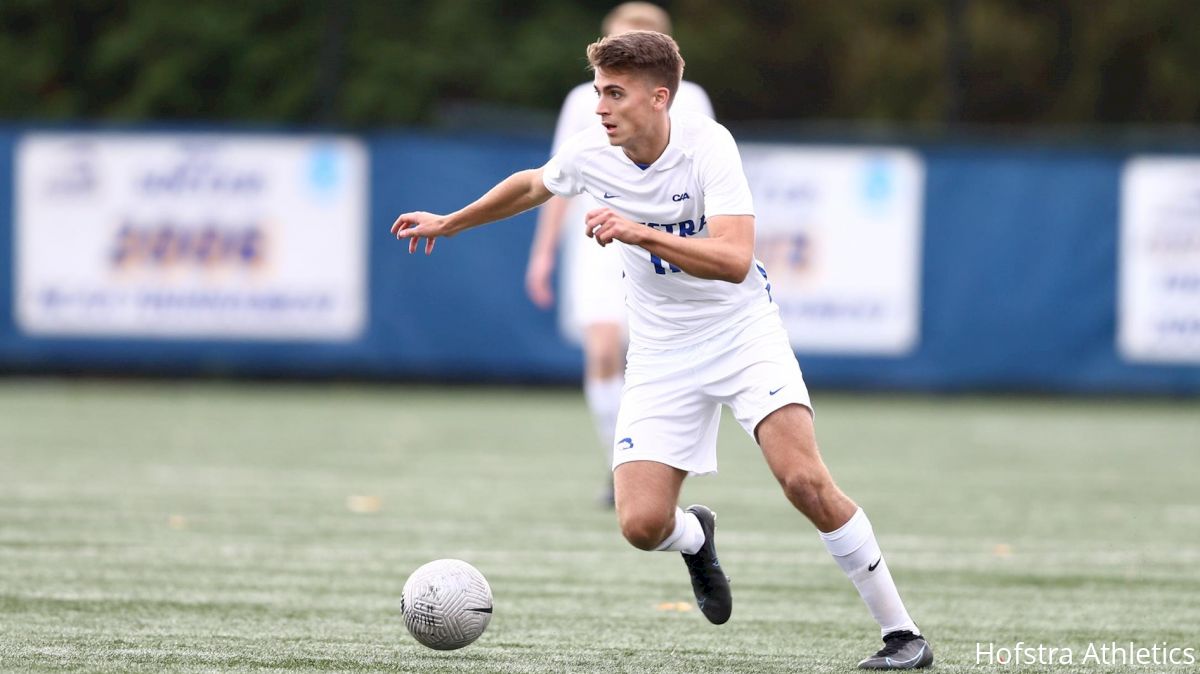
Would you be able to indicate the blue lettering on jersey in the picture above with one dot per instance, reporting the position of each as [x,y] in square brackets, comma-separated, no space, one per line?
[685,229]
[680,197]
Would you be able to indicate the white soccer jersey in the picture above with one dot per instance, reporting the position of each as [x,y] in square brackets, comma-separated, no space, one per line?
[589,276]
[698,176]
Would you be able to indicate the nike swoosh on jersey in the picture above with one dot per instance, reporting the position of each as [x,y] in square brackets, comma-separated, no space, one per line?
[611,196]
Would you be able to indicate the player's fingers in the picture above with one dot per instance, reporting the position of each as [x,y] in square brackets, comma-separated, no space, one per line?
[429,245]
[597,216]
[412,245]
[402,222]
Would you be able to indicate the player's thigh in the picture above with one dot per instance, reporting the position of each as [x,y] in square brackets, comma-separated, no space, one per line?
[647,491]
[789,444]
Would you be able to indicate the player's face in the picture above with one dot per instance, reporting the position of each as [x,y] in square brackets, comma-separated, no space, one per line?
[628,106]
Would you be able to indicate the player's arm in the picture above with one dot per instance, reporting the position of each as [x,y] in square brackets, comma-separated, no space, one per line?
[515,194]
[544,250]
[725,255]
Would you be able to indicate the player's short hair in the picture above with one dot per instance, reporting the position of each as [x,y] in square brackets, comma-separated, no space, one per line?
[639,16]
[648,53]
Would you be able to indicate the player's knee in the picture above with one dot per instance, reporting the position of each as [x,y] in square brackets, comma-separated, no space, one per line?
[644,532]
[605,350]
[807,490]
[605,362]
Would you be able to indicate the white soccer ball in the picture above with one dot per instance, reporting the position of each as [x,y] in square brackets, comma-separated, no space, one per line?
[446,604]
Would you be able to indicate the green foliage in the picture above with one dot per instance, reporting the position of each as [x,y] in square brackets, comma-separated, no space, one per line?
[368,62]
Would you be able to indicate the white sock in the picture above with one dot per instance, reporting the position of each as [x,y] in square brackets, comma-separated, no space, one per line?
[855,549]
[604,400]
[687,537]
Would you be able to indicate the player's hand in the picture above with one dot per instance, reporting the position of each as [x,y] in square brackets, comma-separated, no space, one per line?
[537,280]
[420,225]
[605,226]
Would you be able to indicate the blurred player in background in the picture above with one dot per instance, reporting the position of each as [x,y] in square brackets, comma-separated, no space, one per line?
[592,304]
[704,329]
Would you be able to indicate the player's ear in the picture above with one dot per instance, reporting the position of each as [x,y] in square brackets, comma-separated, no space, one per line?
[662,97]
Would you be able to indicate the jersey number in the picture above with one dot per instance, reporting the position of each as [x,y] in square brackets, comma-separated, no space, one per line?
[659,268]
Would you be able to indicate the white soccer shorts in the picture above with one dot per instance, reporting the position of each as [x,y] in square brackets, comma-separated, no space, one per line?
[592,289]
[672,400]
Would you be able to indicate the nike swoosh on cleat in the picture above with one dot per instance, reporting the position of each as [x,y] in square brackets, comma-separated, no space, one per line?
[901,663]
[872,567]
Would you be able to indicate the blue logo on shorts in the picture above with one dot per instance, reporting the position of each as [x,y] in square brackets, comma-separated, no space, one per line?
[625,443]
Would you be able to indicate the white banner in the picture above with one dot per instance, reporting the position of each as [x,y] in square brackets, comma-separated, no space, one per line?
[1158,306]
[191,236]
[839,231]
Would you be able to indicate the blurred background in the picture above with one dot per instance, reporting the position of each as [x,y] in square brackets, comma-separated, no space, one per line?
[954,195]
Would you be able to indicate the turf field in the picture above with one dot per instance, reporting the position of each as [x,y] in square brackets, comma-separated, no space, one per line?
[200,527]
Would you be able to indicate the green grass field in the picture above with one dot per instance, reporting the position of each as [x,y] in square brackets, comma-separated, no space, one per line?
[201,527]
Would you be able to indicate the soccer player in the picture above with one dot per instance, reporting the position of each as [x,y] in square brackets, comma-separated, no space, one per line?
[592,308]
[704,331]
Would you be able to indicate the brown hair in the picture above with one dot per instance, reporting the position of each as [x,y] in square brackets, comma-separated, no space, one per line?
[652,55]
[638,15]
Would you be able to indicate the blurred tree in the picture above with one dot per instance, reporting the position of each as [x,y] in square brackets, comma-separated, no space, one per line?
[364,62]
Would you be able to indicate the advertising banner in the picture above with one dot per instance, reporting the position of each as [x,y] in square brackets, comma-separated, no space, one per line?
[839,231]
[221,236]
[1158,306]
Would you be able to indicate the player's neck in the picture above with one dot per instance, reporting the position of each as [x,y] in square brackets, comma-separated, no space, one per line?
[649,147]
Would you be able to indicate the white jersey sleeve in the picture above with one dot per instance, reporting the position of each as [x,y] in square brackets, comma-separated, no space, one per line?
[726,191]
[562,174]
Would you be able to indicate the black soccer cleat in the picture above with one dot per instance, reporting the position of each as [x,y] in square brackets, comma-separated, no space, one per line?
[709,582]
[901,650]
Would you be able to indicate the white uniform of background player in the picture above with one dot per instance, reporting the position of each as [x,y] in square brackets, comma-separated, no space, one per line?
[591,311]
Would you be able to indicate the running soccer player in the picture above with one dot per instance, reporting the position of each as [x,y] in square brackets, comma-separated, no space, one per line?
[592,305]
[704,331]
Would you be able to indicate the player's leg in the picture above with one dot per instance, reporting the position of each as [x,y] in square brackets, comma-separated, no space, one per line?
[647,503]
[603,379]
[789,445]
[594,309]
[667,429]
[650,518]
[763,384]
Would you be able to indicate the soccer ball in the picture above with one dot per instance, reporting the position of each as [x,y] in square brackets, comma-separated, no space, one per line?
[446,604]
